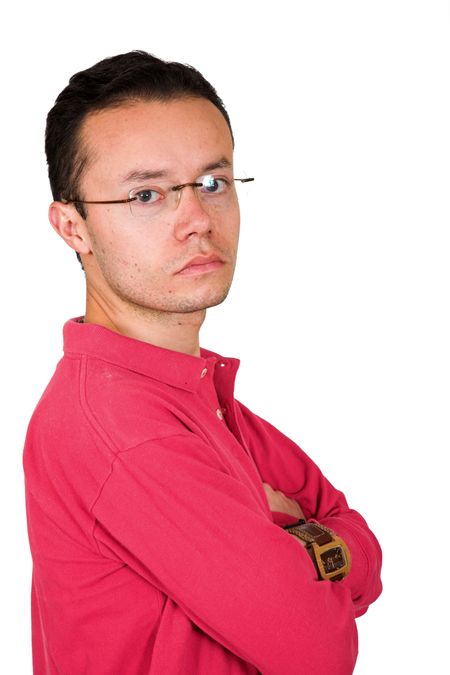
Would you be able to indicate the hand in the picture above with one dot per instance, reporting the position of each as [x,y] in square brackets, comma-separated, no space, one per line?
[279,502]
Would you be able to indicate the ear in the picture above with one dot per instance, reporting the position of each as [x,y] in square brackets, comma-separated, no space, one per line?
[68,223]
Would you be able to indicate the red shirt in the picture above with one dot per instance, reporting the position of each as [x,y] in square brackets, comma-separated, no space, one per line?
[154,549]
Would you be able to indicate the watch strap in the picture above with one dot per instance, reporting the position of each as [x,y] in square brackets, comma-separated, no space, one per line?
[328,552]
[312,533]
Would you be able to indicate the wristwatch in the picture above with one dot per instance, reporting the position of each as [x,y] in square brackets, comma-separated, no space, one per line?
[328,552]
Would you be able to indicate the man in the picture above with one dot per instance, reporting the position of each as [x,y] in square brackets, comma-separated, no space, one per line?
[157,503]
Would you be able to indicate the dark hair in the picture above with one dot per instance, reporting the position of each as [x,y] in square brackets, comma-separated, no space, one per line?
[111,82]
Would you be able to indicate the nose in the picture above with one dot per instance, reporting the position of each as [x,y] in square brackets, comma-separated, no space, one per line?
[190,215]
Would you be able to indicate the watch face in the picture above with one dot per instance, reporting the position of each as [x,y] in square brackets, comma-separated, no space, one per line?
[333,559]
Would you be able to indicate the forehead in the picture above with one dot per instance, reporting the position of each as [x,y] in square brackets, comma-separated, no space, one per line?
[173,136]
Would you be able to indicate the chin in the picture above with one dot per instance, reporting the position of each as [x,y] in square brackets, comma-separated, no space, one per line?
[195,304]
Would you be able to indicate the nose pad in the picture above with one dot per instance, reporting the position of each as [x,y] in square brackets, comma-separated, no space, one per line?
[193,217]
[178,192]
[177,197]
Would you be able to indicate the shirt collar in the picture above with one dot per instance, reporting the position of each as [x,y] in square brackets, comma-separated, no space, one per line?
[166,365]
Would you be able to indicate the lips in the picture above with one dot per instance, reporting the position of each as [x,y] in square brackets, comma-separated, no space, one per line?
[201,260]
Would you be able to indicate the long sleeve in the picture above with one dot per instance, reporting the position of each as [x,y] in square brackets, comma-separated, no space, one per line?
[174,512]
[286,467]
[154,547]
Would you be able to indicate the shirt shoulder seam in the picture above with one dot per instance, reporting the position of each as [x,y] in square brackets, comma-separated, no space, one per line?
[111,468]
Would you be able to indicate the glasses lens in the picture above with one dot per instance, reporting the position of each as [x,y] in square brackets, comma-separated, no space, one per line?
[146,202]
[213,185]
[215,192]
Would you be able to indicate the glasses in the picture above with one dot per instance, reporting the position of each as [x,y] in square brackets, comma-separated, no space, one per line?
[213,192]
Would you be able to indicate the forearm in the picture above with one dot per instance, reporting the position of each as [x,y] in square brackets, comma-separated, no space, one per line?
[364,579]
[283,465]
[363,582]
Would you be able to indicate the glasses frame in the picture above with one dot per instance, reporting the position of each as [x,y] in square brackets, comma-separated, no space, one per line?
[173,188]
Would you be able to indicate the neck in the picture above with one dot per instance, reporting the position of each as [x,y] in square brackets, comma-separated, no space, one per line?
[170,330]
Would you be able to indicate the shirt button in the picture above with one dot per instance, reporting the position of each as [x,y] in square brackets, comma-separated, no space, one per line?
[219,414]
[204,371]
[222,365]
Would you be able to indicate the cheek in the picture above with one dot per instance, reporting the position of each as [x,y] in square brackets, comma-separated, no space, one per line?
[227,221]
[236,217]
[233,229]
[123,243]
[116,255]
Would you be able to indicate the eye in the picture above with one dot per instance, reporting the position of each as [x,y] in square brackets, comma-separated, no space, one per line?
[214,184]
[145,196]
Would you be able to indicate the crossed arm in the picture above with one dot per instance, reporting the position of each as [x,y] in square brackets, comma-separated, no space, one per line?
[302,491]
[203,538]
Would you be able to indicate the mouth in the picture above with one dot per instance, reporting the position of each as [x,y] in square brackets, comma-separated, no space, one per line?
[201,264]
[202,268]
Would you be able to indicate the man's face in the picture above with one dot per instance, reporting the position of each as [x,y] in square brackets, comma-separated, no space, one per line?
[138,260]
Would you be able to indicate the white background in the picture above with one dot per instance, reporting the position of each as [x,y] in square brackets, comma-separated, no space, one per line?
[339,307]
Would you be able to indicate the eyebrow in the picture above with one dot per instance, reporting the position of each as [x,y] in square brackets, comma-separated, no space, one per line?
[223,163]
[147,174]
